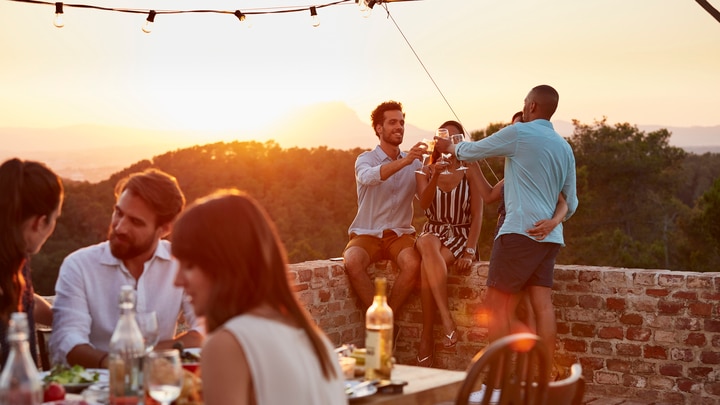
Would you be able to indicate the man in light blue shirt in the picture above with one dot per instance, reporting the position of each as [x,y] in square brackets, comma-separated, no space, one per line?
[382,228]
[539,165]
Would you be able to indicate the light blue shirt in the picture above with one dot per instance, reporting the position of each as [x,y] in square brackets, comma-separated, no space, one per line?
[539,164]
[384,204]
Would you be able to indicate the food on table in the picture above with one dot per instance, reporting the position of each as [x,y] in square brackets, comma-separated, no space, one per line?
[53,392]
[71,375]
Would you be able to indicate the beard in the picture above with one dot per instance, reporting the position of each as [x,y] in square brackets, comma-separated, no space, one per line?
[392,138]
[125,248]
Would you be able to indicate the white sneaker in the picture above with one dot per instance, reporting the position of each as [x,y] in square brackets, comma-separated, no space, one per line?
[477,396]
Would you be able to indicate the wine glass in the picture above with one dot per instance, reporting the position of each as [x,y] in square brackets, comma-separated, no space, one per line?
[428,154]
[442,133]
[163,375]
[456,139]
[446,163]
[148,324]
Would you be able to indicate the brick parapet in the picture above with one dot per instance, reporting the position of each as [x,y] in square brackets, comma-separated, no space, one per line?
[647,335]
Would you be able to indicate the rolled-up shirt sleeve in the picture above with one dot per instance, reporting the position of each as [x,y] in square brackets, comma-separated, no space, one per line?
[367,172]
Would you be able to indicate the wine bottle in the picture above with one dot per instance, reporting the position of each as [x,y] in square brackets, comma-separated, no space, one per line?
[378,335]
[20,382]
[125,354]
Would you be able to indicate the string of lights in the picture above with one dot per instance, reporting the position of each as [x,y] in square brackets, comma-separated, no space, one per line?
[241,15]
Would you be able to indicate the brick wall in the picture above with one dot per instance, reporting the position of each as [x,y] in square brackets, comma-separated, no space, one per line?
[650,335]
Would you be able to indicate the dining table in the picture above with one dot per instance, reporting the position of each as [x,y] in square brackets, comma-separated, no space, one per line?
[425,386]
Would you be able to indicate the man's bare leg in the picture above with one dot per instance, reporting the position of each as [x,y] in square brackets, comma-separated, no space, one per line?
[357,261]
[408,261]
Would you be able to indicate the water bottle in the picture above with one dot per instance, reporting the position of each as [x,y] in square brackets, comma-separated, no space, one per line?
[125,354]
[20,382]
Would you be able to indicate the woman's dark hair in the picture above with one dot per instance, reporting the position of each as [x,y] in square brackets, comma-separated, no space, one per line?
[232,239]
[27,189]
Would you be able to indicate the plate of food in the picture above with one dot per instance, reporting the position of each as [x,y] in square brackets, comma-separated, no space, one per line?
[75,378]
[355,389]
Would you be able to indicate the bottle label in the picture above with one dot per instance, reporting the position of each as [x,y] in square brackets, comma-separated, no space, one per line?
[378,360]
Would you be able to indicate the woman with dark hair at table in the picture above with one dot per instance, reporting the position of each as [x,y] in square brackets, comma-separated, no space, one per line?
[263,347]
[31,197]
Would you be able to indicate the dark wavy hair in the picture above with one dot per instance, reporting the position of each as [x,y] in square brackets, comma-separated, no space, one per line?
[27,189]
[231,238]
[377,117]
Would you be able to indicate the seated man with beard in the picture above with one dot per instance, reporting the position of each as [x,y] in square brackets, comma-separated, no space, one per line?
[88,286]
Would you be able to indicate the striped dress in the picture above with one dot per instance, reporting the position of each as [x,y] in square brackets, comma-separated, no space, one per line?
[449,217]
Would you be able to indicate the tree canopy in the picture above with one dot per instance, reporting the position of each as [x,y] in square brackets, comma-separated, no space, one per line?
[643,203]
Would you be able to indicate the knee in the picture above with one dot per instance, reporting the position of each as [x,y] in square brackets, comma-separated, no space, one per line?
[355,261]
[425,242]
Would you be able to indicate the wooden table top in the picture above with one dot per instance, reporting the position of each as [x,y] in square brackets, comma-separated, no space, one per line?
[425,386]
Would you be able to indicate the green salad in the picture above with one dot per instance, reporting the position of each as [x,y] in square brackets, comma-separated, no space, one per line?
[73,375]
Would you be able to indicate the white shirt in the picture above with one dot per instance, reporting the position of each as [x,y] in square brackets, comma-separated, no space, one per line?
[86,309]
[384,204]
[280,354]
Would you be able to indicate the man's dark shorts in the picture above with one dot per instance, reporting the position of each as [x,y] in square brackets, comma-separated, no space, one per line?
[386,248]
[518,261]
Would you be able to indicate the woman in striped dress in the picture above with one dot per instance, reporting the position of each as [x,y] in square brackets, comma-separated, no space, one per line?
[453,206]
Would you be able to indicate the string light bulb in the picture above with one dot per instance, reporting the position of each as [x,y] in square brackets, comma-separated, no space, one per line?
[365,10]
[243,18]
[58,21]
[149,22]
[314,17]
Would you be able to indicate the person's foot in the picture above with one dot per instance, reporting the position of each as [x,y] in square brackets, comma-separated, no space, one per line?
[426,351]
[477,396]
[450,340]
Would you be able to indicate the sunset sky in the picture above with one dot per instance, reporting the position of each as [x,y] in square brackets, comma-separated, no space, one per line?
[638,61]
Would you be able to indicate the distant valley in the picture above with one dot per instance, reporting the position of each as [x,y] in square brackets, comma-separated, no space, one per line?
[93,153]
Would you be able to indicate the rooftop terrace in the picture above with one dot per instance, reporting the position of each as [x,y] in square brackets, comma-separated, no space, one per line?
[642,336]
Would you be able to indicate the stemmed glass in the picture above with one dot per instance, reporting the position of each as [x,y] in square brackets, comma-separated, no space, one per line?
[444,134]
[456,139]
[163,375]
[428,153]
[148,324]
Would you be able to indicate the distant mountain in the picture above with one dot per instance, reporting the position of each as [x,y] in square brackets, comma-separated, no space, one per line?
[93,152]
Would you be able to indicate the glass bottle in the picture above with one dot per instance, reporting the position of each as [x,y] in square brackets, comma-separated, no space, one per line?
[20,382]
[378,335]
[125,354]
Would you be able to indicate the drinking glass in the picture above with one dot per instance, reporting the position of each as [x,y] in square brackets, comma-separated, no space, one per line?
[446,163]
[148,324]
[444,134]
[428,154]
[456,139]
[163,375]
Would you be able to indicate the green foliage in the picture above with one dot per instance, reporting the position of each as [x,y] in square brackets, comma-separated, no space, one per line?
[637,199]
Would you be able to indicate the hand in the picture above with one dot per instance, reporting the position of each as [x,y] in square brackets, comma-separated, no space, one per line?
[443,145]
[464,262]
[541,229]
[417,151]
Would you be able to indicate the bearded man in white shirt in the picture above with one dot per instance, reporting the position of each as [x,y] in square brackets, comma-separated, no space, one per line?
[85,310]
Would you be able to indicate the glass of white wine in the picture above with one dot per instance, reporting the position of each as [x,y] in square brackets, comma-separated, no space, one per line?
[428,154]
[443,133]
[148,324]
[456,139]
[163,375]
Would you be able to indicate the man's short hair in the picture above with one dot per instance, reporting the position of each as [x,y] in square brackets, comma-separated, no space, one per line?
[158,189]
[377,117]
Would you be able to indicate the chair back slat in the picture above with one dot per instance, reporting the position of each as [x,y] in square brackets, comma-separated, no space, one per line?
[518,364]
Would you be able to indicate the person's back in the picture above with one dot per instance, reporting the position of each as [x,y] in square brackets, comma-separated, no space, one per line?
[535,174]
[279,353]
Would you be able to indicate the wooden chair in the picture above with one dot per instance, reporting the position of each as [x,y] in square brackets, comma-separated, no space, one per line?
[518,365]
[569,391]
[42,337]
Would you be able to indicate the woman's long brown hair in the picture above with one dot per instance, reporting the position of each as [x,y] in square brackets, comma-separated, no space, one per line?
[232,239]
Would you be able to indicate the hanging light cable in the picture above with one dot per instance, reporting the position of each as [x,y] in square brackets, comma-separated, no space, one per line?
[148,25]
[58,21]
[314,17]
